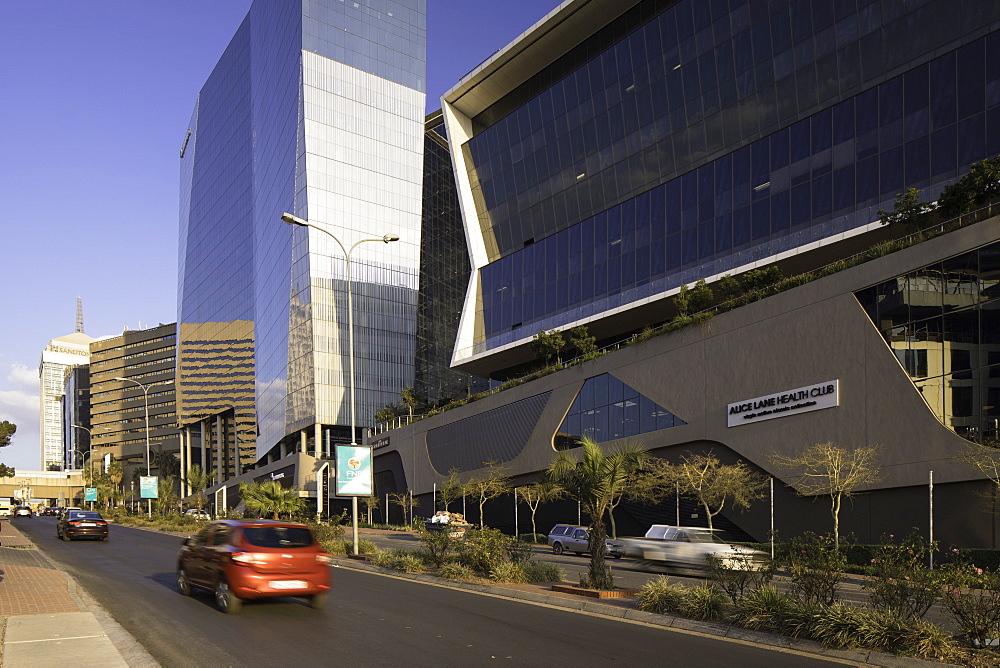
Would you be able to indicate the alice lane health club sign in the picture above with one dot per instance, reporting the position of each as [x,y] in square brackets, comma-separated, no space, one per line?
[781,404]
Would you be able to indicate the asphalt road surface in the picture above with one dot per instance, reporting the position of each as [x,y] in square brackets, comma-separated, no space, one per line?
[369,620]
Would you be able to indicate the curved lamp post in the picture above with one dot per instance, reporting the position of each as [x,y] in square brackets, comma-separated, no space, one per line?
[145,406]
[295,220]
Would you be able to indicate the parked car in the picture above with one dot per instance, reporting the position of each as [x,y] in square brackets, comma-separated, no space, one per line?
[81,524]
[6,511]
[194,513]
[575,538]
[689,548]
[23,511]
[247,559]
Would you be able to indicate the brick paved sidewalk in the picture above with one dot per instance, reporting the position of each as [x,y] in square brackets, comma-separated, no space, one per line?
[30,584]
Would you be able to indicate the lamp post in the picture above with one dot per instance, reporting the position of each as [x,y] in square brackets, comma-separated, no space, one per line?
[145,407]
[295,220]
[90,449]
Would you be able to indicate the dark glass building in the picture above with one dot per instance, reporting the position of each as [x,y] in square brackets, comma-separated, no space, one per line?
[619,150]
[444,274]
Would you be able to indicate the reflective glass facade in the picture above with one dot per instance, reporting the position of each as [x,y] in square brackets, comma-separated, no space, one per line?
[444,275]
[690,139]
[943,324]
[315,109]
[607,409]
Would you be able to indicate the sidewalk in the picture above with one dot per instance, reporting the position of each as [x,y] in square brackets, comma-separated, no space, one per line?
[45,620]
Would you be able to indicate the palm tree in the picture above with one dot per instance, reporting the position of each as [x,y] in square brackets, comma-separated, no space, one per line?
[594,481]
[270,497]
[199,479]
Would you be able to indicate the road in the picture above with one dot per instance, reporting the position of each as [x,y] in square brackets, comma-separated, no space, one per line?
[370,620]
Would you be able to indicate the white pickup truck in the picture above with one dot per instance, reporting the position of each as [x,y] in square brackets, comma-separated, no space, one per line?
[689,547]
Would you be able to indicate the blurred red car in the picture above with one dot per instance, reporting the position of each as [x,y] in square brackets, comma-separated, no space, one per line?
[246,559]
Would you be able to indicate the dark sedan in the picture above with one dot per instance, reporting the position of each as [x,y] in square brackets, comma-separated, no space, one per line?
[82,524]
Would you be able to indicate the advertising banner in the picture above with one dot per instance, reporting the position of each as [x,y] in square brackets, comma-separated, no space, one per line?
[90,494]
[148,488]
[354,470]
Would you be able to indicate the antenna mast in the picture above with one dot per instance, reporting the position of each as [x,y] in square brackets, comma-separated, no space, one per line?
[79,315]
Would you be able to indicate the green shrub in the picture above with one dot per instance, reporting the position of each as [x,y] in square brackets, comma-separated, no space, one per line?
[661,596]
[704,602]
[815,567]
[508,572]
[740,574]
[518,552]
[842,626]
[764,609]
[543,571]
[534,538]
[972,596]
[483,549]
[899,579]
[399,560]
[456,571]
[439,546]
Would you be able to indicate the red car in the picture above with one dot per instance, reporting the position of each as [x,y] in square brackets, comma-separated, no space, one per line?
[246,559]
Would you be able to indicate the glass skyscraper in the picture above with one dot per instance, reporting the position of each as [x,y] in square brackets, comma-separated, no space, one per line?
[619,150]
[316,109]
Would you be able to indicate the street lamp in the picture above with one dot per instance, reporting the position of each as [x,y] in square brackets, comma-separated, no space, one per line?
[145,406]
[90,450]
[386,238]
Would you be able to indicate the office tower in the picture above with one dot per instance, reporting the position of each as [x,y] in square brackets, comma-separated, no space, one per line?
[147,360]
[58,360]
[315,109]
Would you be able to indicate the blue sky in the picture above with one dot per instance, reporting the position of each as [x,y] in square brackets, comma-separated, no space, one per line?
[97,96]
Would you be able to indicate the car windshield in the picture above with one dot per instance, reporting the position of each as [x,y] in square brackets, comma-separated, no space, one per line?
[84,515]
[278,536]
[703,537]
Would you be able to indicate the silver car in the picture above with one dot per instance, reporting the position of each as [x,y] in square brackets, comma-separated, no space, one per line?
[576,538]
[689,548]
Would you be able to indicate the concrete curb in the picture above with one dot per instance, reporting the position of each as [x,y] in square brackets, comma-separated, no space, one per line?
[680,624]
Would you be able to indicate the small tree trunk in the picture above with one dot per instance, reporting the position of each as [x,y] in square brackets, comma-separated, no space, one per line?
[835,510]
[708,514]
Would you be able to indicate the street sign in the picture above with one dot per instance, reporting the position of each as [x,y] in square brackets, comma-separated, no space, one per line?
[90,494]
[148,487]
[354,470]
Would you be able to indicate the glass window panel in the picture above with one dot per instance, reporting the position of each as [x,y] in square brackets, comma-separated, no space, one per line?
[971,79]
[944,151]
[724,233]
[971,140]
[891,171]
[917,162]
[942,73]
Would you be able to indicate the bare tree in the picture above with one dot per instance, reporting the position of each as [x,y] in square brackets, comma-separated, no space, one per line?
[405,502]
[826,468]
[535,495]
[705,478]
[986,459]
[450,489]
[490,483]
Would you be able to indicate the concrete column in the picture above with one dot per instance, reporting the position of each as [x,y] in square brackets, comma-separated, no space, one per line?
[303,441]
[318,429]
[218,448]
[180,456]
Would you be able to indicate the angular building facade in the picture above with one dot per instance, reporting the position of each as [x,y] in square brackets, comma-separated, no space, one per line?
[315,109]
[617,151]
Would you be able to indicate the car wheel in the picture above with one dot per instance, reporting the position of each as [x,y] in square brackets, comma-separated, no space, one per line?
[579,554]
[617,556]
[317,600]
[557,548]
[182,583]
[225,599]
[65,537]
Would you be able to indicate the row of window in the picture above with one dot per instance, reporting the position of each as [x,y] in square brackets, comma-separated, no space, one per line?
[826,174]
